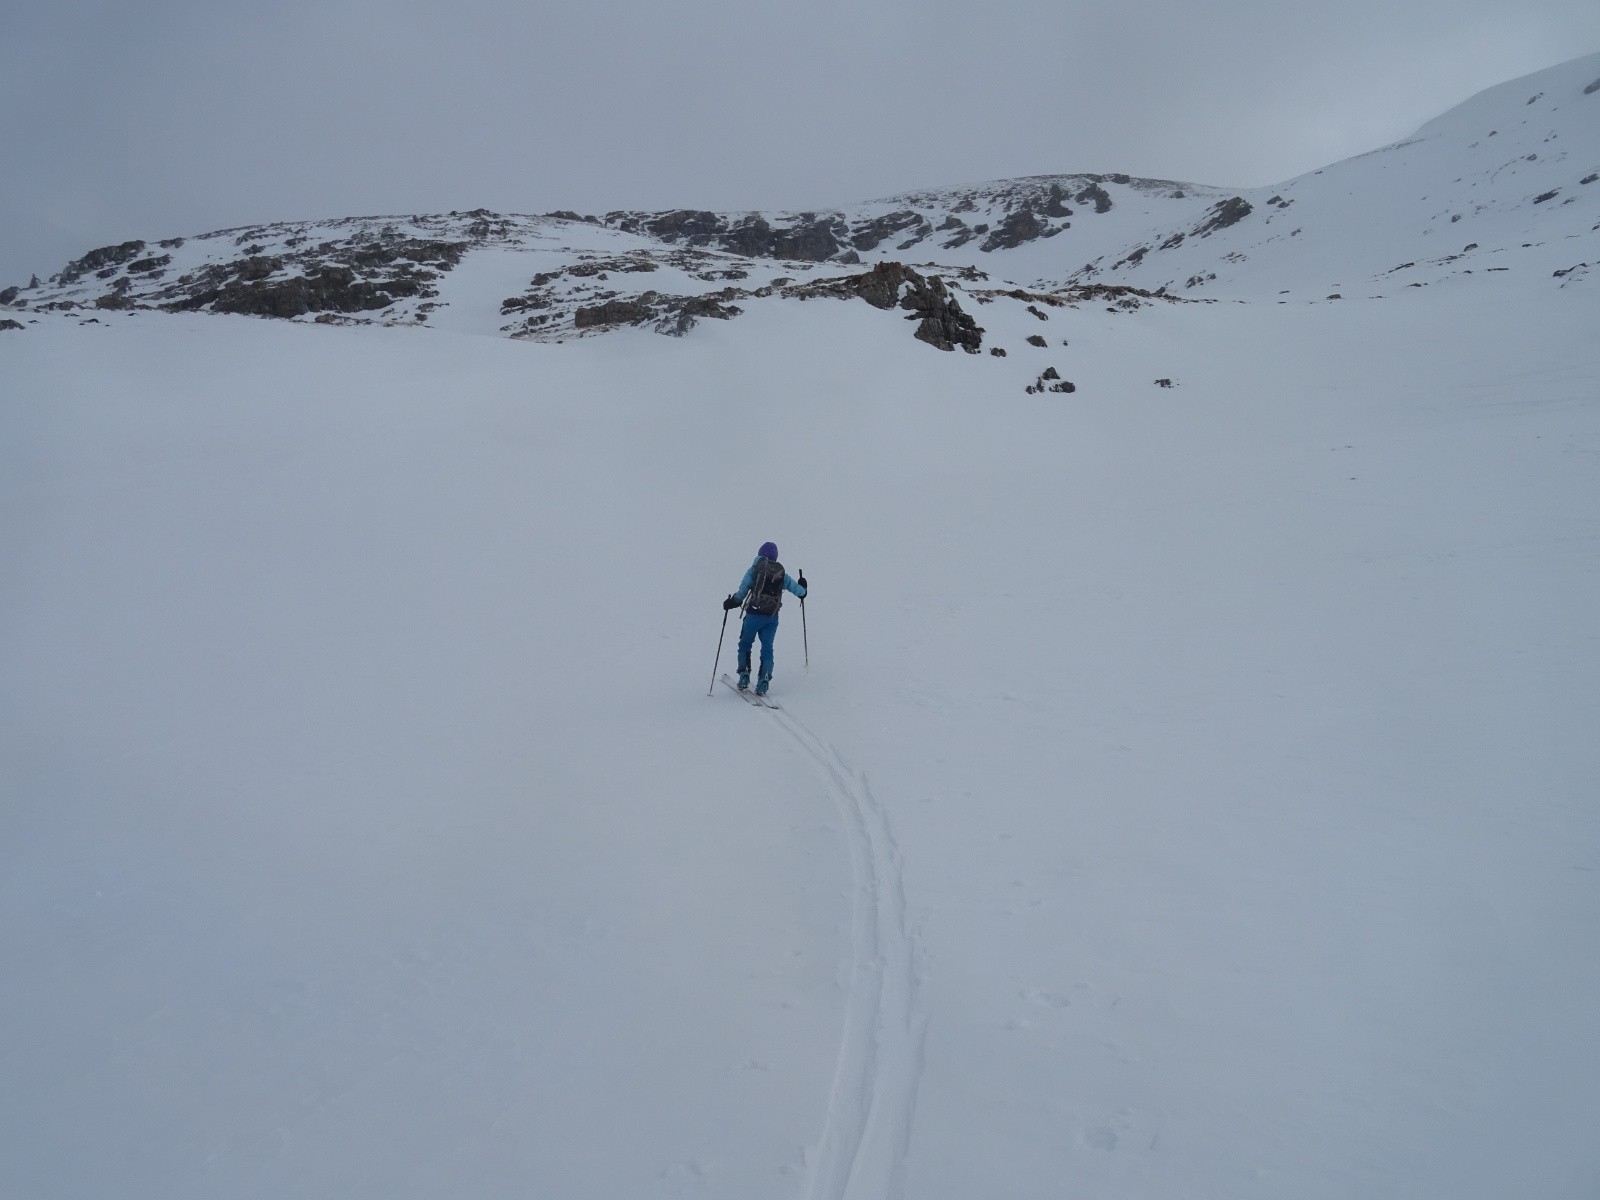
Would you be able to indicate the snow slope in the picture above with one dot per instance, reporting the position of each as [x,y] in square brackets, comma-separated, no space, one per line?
[1192,792]
[1507,182]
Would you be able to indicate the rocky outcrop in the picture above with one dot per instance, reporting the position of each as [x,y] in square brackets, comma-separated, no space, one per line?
[1054,205]
[1096,195]
[1019,228]
[615,312]
[671,315]
[327,289]
[806,238]
[942,322]
[869,234]
[1223,214]
[99,260]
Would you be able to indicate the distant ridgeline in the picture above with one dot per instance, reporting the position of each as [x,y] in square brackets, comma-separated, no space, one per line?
[1505,183]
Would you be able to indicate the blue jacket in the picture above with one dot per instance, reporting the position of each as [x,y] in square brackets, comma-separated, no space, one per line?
[789,585]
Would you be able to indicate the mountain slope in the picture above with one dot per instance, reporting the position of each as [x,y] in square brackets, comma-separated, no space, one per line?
[1505,182]
[1508,181]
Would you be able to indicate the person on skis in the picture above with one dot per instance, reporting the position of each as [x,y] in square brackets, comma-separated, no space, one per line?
[761,592]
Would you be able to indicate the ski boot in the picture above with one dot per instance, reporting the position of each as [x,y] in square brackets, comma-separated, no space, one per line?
[762,681]
[744,676]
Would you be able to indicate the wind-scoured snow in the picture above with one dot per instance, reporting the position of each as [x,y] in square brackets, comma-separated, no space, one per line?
[1192,791]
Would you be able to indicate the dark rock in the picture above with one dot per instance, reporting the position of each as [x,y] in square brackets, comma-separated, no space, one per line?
[327,290]
[694,226]
[1589,178]
[1163,383]
[869,234]
[812,240]
[1223,214]
[1173,242]
[681,312]
[256,267]
[9,296]
[1018,229]
[1335,296]
[1066,385]
[1053,203]
[33,281]
[1035,340]
[1592,88]
[10,324]
[613,312]
[1050,373]
[146,265]
[95,260]
[376,255]
[1551,195]
[751,238]
[997,352]
[1037,313]
[1098,195]
[113,300]
[942,322]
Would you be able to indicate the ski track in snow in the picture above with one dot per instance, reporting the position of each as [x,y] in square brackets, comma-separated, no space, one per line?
[867,1131]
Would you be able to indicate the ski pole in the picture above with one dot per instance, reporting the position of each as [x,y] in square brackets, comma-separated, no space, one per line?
[805,637]
[718,658]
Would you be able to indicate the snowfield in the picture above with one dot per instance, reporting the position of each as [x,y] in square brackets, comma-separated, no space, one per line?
[1193,792]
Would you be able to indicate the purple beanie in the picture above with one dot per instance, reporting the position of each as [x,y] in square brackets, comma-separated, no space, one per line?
[768,551]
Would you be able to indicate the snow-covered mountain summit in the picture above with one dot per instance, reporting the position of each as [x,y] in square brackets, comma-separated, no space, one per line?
[1504,182]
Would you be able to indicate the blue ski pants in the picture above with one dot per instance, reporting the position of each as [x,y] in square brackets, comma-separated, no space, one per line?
[766,628]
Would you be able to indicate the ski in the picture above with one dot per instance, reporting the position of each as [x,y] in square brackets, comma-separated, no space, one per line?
[750,696]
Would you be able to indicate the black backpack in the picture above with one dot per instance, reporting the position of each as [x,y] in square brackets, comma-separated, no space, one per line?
[766,588]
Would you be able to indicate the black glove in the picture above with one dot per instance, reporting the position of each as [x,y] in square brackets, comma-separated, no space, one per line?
[804,586]
[730,602]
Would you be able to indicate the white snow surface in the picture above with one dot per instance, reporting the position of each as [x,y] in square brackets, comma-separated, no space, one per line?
[1193,791]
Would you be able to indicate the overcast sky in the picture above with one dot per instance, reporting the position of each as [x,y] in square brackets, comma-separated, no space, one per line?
[147,119]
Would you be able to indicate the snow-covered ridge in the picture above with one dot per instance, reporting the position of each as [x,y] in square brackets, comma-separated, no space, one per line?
[1506,181]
